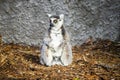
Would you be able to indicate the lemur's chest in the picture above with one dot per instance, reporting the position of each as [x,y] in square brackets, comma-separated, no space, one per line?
[56,38]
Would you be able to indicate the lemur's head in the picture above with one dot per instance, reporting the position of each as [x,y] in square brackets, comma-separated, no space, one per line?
[56,21]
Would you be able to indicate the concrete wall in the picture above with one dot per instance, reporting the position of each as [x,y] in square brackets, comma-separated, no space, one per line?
[25,21]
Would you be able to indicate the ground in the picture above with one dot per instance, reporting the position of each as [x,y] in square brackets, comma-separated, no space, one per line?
[93,60]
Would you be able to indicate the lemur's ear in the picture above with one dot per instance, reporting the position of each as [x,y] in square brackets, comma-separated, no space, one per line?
[49,15]
[61,16]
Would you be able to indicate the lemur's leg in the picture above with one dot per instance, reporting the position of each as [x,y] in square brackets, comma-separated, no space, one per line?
[66,57]
[46,56]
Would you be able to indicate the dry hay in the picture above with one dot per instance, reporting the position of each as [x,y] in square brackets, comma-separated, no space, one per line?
[98,60]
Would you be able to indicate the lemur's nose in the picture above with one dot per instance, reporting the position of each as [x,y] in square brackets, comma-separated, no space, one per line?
[51,25]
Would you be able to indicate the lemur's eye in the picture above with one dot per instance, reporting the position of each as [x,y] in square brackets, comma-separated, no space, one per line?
[55,21]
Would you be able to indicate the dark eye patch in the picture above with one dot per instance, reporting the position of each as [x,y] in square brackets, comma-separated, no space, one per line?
[55,21]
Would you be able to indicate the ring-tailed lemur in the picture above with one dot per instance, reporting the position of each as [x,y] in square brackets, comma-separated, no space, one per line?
[56,47]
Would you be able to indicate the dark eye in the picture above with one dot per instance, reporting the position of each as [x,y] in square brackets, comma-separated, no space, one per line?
[55,21]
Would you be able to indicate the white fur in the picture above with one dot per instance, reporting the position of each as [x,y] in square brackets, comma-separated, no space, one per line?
[62,16]
[49,15]
[57,39]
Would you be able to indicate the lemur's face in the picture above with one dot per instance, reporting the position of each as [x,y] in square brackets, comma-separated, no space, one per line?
[56,21]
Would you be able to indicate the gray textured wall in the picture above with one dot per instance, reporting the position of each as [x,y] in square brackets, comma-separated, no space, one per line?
[25,21]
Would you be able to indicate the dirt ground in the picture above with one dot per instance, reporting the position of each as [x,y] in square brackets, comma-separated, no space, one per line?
[93,60]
